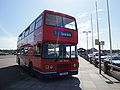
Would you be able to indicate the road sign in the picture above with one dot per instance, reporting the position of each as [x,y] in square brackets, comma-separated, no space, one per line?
[96,41]
[102,42]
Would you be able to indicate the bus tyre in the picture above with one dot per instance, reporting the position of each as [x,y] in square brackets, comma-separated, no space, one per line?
[18,62]
[31,69]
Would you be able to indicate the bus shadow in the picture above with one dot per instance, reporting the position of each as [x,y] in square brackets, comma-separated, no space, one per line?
[10,75]
[16,78]
[62,83]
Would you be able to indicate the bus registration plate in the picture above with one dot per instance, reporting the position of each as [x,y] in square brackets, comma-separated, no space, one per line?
[65,73]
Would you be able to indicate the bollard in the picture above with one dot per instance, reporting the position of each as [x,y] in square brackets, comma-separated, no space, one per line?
[95,63]
[87,58]
[105,67]
[90,60]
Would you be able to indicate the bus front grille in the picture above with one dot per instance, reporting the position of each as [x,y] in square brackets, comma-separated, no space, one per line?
[63,67]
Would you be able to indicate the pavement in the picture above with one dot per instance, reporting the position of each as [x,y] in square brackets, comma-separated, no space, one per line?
[91,79]
[88,78]
[7,60]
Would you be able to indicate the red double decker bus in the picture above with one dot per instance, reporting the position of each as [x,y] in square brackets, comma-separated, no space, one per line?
[49,45]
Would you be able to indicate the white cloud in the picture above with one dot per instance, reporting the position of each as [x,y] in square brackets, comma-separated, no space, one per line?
[85,14]
[8,42]
[82,40]
[99,10]
[84,26]
[87,25]
[82,15]
[3,30]
[82,36]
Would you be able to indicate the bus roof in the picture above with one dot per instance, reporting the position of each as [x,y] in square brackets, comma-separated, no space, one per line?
[52,12]
[57,13]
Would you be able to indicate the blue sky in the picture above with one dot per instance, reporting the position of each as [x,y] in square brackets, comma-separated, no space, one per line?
[16,15]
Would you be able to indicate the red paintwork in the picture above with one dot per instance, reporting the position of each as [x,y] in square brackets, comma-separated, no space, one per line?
[45,34]
[48,35]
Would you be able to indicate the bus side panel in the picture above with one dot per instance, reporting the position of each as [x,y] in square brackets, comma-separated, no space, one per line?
[37,62]
[38,35]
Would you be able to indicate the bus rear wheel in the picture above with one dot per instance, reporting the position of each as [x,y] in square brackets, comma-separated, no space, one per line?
[18,62]
[31,69]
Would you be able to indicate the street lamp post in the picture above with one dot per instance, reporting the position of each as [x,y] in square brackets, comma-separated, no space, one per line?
[109,30]
[87,38]
[92,34]
[98,39]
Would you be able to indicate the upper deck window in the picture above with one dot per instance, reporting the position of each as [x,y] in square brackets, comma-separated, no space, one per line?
[26,31]
[69,23]
[60,21]
[22,35]
[38,22]
[54,20]
[32,27]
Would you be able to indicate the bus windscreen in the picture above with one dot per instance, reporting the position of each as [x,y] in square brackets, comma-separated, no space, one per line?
[60,21]
[58,50]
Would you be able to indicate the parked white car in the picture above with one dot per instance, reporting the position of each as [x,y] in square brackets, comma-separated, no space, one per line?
[115,60]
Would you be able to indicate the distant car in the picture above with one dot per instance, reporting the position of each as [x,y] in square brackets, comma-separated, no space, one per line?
[115,60]
[102,58]
[96,57]
[107,59]
[2,53]
[90,56]
[82,52]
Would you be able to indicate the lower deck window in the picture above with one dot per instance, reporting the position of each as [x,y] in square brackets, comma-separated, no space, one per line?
[58,50]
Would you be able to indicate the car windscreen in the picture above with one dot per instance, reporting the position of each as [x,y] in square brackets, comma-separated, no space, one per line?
[115,58]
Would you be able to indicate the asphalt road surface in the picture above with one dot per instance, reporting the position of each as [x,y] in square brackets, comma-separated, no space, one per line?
[12,77]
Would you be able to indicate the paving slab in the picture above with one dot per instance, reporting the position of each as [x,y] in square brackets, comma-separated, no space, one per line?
[91,79]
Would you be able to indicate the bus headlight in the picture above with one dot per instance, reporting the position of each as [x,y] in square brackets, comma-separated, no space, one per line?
[51,67]
[74,65]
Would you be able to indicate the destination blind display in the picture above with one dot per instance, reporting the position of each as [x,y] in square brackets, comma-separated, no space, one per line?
[62,33]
